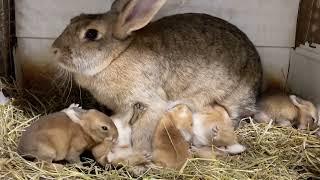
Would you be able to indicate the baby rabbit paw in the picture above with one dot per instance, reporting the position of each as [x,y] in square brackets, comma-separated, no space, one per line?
[143,158]
[147,157]
[215,132]
[139,163]
[140,159]
[202,152]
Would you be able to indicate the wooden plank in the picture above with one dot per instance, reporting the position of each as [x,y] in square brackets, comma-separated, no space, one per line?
[308,28]
[268,23]
[7,38]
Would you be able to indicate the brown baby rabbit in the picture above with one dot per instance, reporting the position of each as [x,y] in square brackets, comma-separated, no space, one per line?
[287,110]
[170,148]
[121,59]
[56,137]
[119,152]
[213,126]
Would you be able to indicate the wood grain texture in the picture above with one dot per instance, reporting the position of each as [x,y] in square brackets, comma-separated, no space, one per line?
[308,28]
[7,31]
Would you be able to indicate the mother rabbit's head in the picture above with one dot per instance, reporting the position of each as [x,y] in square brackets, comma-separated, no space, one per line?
[92,41]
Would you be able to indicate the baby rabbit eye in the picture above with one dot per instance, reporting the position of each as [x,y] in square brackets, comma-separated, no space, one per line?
[91,34]
[105,128]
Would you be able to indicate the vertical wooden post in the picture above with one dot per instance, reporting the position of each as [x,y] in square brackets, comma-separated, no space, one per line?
[7,38]
[308,29]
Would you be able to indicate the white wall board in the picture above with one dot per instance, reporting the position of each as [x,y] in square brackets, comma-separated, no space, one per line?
[267,23]
[304,73]
[47,18]
[275,63]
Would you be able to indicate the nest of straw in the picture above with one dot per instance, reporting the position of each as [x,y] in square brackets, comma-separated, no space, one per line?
[272,152]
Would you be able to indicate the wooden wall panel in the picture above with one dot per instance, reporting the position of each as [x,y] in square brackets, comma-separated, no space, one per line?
[308,28]
[7,38]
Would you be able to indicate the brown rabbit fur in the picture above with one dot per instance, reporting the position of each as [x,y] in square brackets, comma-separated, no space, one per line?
[110,152]
[56,137]
[121,59]
[287,110]
[122,151]
[213,126]
[170,148]
[101,151]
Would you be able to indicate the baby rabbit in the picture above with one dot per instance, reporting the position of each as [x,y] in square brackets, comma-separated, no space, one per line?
[213,126]
[180,127]
[287,110]
[122,58]
[170,141]
[56,137]
[122,151]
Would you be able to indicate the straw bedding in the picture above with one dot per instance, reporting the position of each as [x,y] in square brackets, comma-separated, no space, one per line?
[272,152]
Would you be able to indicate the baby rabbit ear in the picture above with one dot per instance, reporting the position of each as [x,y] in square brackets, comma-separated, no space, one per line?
[296,101]
[73,115]
[134,15]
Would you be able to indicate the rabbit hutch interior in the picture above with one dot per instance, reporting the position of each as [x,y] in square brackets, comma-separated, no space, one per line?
[231,85]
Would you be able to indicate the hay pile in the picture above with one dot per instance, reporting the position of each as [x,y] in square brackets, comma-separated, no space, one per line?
[273,152]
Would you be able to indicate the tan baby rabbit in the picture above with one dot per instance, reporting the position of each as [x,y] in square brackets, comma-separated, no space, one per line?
[213,126]
[180,127]
[56,137]
[121,150]
[287,110]
[170,146]
[121,59]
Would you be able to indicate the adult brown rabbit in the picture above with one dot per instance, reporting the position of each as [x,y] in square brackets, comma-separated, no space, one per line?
[122,59]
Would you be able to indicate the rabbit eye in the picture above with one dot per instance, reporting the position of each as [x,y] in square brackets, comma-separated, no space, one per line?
[105,128]
[91,34]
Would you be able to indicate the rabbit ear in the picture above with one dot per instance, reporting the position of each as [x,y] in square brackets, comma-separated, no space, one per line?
[118,5]
[296,101]
[134,15]
[73,115]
